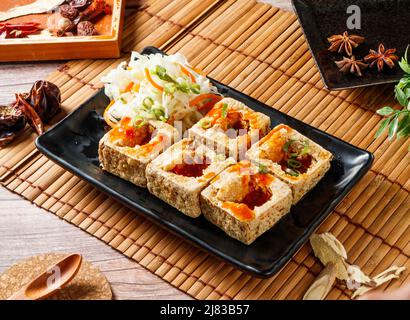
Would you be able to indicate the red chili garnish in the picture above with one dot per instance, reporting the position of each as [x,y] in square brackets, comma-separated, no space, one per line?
[18,30]
[127,135]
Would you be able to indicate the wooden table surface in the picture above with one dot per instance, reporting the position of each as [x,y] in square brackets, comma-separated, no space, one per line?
[27,230]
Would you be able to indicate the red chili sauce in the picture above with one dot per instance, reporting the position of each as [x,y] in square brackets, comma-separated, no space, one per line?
[126,134]
[191,169]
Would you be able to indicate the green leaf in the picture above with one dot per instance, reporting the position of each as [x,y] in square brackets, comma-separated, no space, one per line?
[382,127]
[401,97]
[403,129]
[404,66]
[393,127]
[385,111]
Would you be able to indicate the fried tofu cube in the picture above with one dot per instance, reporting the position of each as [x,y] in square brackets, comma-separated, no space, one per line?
[245,202]
[126,149]
[179,174]
[231,127]
[291,157]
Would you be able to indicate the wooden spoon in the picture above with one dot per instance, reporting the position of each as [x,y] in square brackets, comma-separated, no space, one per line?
[51,280]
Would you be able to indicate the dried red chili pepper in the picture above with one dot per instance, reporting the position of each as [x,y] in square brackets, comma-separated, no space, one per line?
[38,106]
[94,10]
[45,98]
[18,30]
[12,123]
[31,115]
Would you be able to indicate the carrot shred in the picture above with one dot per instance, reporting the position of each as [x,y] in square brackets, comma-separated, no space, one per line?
[136,87]
[187,73]
[154,84]
[205,101]
[129,87]
[199,71]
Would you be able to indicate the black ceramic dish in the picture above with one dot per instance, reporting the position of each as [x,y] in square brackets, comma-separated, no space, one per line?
[73,144]
[383,21]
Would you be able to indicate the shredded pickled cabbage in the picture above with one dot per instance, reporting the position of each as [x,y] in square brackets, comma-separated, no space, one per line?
[155,87]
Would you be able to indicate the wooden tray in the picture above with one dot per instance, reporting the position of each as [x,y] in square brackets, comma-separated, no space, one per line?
[64,48]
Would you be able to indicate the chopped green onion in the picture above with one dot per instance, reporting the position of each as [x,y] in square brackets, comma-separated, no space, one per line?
[205,123]
[224,110]
[148,102]
[123,100]
[291,172]
[305,149]
[161,73]
[184,87]
[158,113]
[170,88]
[262,168]
[140,120]
[287,145]
[294,164]
[195,88]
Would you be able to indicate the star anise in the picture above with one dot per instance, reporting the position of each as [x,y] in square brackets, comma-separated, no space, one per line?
[351,65]
[381,57]
[344,43]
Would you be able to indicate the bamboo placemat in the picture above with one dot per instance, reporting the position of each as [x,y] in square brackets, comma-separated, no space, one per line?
[261,51]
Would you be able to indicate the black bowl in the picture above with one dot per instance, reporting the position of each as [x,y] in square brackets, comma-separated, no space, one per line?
[382,21]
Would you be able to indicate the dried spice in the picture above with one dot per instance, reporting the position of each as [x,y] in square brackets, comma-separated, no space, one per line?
[30,114]
[85,28]
[80,4]
[357,278]
[94,10]
[331,252]
[393,272]
[58,25]
[344,43]
[45,97]
[351,65]
[68,11]
[382,57]
[18,30]
[12,122]
[323,284]
[35,107]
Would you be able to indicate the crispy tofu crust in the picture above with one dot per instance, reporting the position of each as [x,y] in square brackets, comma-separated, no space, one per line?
[125,162]
[247,231]
[180,191]
[219,140]
[115,161]
[305,182]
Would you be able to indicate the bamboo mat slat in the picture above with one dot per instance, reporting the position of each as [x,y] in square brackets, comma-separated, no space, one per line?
[261,51]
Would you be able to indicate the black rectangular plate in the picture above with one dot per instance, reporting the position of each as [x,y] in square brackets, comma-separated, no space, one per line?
[73,144]
[383,21]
